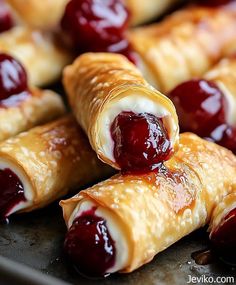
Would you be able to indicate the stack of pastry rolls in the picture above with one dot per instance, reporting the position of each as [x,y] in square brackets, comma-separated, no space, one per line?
[123,222]
[137,216]
[40,164]
[60,159]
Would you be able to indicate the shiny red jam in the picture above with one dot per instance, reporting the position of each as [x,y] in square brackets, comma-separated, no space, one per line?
[6,21]
[11,192]
[223,239]
[140,141]
[200,106]
[89,246]
[202,109]
[97,26]
[13,79]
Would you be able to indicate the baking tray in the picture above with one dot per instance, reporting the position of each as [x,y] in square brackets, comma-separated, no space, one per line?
[36,240]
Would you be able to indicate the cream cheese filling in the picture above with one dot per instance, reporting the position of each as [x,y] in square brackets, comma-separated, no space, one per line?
[116,233]
[28,192]
[137,104]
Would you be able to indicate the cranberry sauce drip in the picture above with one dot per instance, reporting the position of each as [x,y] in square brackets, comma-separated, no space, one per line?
[97,26]
[6,21]
[89,246]
[223,239]
[202,107]
[140,141]
[11,192]
[13,78]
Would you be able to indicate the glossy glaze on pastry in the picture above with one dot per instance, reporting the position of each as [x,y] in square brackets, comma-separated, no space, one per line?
[45,163]
[145,214]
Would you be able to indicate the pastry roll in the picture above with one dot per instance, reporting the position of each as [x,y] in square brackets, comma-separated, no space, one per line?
[207,105]
[22,106]
[35,13]
[39,14]
[147,10]
[129,124]
[122,223]
[38,52]
[186,44]
[45,163]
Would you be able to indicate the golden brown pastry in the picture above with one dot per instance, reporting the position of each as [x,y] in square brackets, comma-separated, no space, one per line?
[129,124]
[186,44]
[133,217]
[147,10]
[36,13]
[45,163]
[38,52]
[207,105]
[44,14]
[21,105]
[39,107]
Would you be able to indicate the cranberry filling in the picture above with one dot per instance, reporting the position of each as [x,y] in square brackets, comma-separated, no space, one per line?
[202,108]
[11,192]
[13,78]
[223,239]
[6,21]
[140,141]
[89,246]
[97,26]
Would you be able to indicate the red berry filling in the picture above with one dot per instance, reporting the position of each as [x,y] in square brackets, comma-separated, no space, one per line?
[223,239]
[140,141]
[11,192]
[89,246]
[6,21]
[202,107]
[13,79]
[97,26]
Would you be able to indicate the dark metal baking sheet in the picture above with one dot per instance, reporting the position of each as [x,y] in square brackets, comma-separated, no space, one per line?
[36,240]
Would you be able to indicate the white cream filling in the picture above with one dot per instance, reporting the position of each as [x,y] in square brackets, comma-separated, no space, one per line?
[115,231]
[135,103]
[231,114]
[28,193]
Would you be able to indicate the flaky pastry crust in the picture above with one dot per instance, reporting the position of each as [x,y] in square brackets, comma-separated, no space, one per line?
[155,210]
[42,57]
[40,106]
[55,158]
[96,82]
[37,14]
[185,44]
